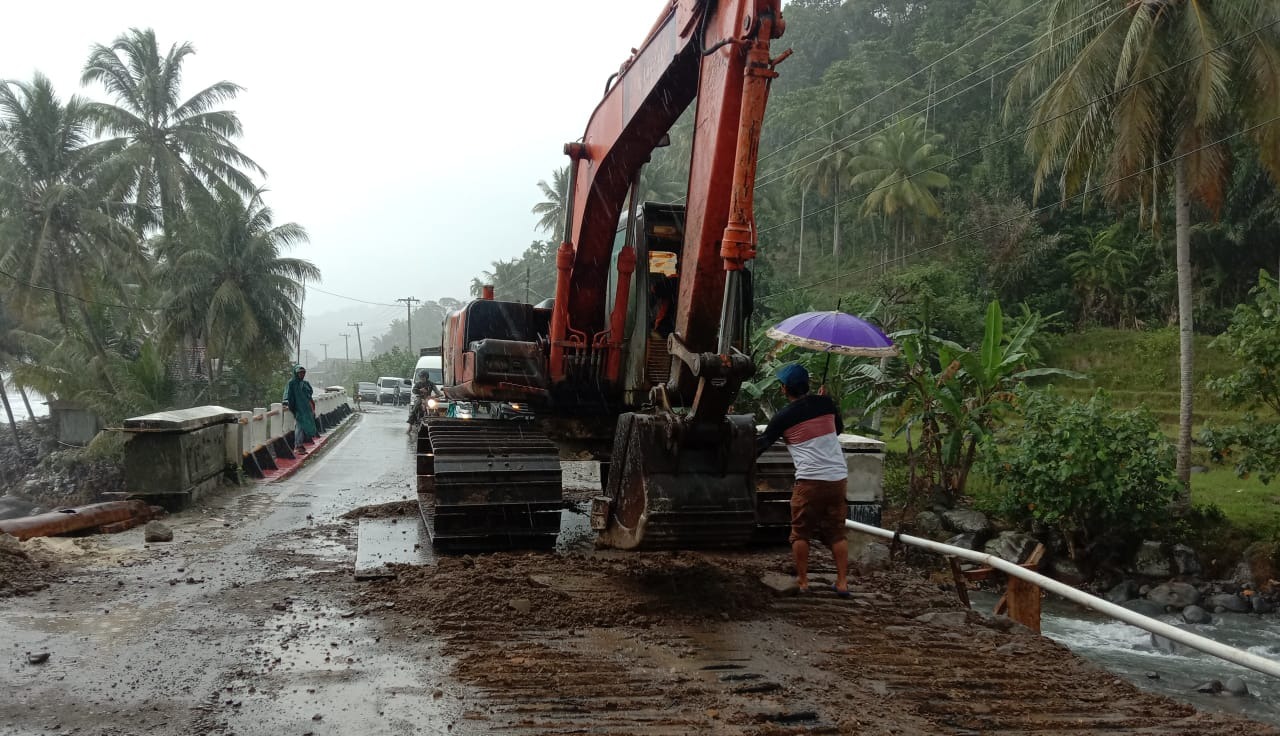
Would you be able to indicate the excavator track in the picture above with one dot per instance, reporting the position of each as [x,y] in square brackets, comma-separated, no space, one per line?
[671,486]
[488,485]
[775,474]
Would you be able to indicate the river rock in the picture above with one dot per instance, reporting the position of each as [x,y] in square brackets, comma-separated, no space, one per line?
[1151,561]
[1011,546]
[779,583]
[1169,645]
[1196,615]
[967,521]
[1261,605]
[154,531]
[1144,607]
[1212,687]
[1236,686]
[1069,571]
[1125,590]
[1185,560]
[1178,595]
[928,524]
[1228,602]
[520,605]
[964,541]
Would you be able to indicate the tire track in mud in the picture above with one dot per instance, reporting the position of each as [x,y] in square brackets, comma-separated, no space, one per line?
[695,644]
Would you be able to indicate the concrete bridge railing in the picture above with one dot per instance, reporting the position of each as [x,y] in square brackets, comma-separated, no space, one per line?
[174,457]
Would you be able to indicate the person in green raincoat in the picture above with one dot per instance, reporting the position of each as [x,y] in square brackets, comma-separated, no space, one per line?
[297,396]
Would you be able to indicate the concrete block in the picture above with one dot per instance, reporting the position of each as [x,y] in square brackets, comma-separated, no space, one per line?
[172,462]
[183,420]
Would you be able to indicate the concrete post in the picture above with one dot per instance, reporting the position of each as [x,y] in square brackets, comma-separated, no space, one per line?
[259,427]
[246,434]
[276,426]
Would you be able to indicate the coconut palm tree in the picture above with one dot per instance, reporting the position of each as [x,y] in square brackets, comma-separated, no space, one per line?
[898,170]
[59,240]
[550,211]
[1147,83]
[164,150]
[229,288]
[822,165]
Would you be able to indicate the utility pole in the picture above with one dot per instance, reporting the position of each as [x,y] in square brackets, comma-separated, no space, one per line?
[325,345]
[526,284]
[359,342]
[408,309]
[346,340]
[302,300]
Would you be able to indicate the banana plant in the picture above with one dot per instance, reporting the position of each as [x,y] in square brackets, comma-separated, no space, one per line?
[953,396]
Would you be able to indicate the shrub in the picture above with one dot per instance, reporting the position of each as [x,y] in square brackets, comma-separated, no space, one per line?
[1084,468]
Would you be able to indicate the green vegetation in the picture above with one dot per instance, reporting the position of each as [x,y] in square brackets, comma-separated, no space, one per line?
[1084,468]
[140,268]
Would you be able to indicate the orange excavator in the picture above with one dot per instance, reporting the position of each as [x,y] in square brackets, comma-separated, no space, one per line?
[639,356]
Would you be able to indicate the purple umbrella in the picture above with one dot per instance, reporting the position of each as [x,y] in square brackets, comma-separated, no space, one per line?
[834,332]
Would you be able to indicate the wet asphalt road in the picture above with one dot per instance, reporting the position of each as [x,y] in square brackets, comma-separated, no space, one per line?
[240,625]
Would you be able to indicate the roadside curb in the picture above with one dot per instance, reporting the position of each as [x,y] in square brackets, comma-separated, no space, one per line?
[288,466]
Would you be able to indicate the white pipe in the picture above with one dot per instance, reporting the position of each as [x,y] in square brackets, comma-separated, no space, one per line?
[1195,641]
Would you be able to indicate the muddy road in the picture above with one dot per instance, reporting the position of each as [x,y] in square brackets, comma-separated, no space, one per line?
[251,622]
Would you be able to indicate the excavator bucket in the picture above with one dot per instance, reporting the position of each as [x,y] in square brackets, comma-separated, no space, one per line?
[673,484]
[488,485]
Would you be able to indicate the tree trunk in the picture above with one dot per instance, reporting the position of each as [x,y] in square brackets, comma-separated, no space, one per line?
[1186,334]
[13,424]
[26,402]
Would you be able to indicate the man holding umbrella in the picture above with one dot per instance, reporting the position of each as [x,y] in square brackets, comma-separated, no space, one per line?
[810,425]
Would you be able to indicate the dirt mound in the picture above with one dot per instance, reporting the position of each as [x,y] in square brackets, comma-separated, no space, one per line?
[21,572]
[513,590]
[383,510]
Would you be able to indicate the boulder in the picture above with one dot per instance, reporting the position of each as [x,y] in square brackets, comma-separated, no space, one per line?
[520,605]
[1178,595]
[1169,645]
[780,584]
[1185,560]
[928,524]
[1228,602]
[1125,590]
[1011,546]
[964,541]
[1236,686]
[1151,561]
[1068,571]
[1261,605]
[154,531]
[1212,687]
[967,521]
[1144,607]
[1196,615]
[874,557]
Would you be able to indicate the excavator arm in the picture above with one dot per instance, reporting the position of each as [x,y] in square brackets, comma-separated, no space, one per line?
[718,53]
[679,473]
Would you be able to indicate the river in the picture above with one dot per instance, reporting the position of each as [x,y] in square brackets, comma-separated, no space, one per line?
[1127,651]
[38,404]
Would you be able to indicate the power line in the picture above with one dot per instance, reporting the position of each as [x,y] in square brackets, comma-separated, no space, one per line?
[1021,131]
[913,75]
[1029,213]
[352,298]
[804,162]
[50,289]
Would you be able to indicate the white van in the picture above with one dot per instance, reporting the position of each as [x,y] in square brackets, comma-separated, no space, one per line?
[387,388]
[433,366]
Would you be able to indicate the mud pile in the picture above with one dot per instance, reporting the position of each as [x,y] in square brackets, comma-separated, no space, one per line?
[384,510]
[20,571]
[519,591]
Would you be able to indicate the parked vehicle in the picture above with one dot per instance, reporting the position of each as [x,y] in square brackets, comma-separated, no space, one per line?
[387,388]
[367,391]
[404,392]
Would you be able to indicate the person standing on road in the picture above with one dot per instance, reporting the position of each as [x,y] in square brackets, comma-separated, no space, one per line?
[810,425]
[297,396]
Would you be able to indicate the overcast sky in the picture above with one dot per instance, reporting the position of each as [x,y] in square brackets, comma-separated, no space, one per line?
[408,138]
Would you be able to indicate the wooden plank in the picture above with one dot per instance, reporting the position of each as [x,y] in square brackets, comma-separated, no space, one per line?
[398,540]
